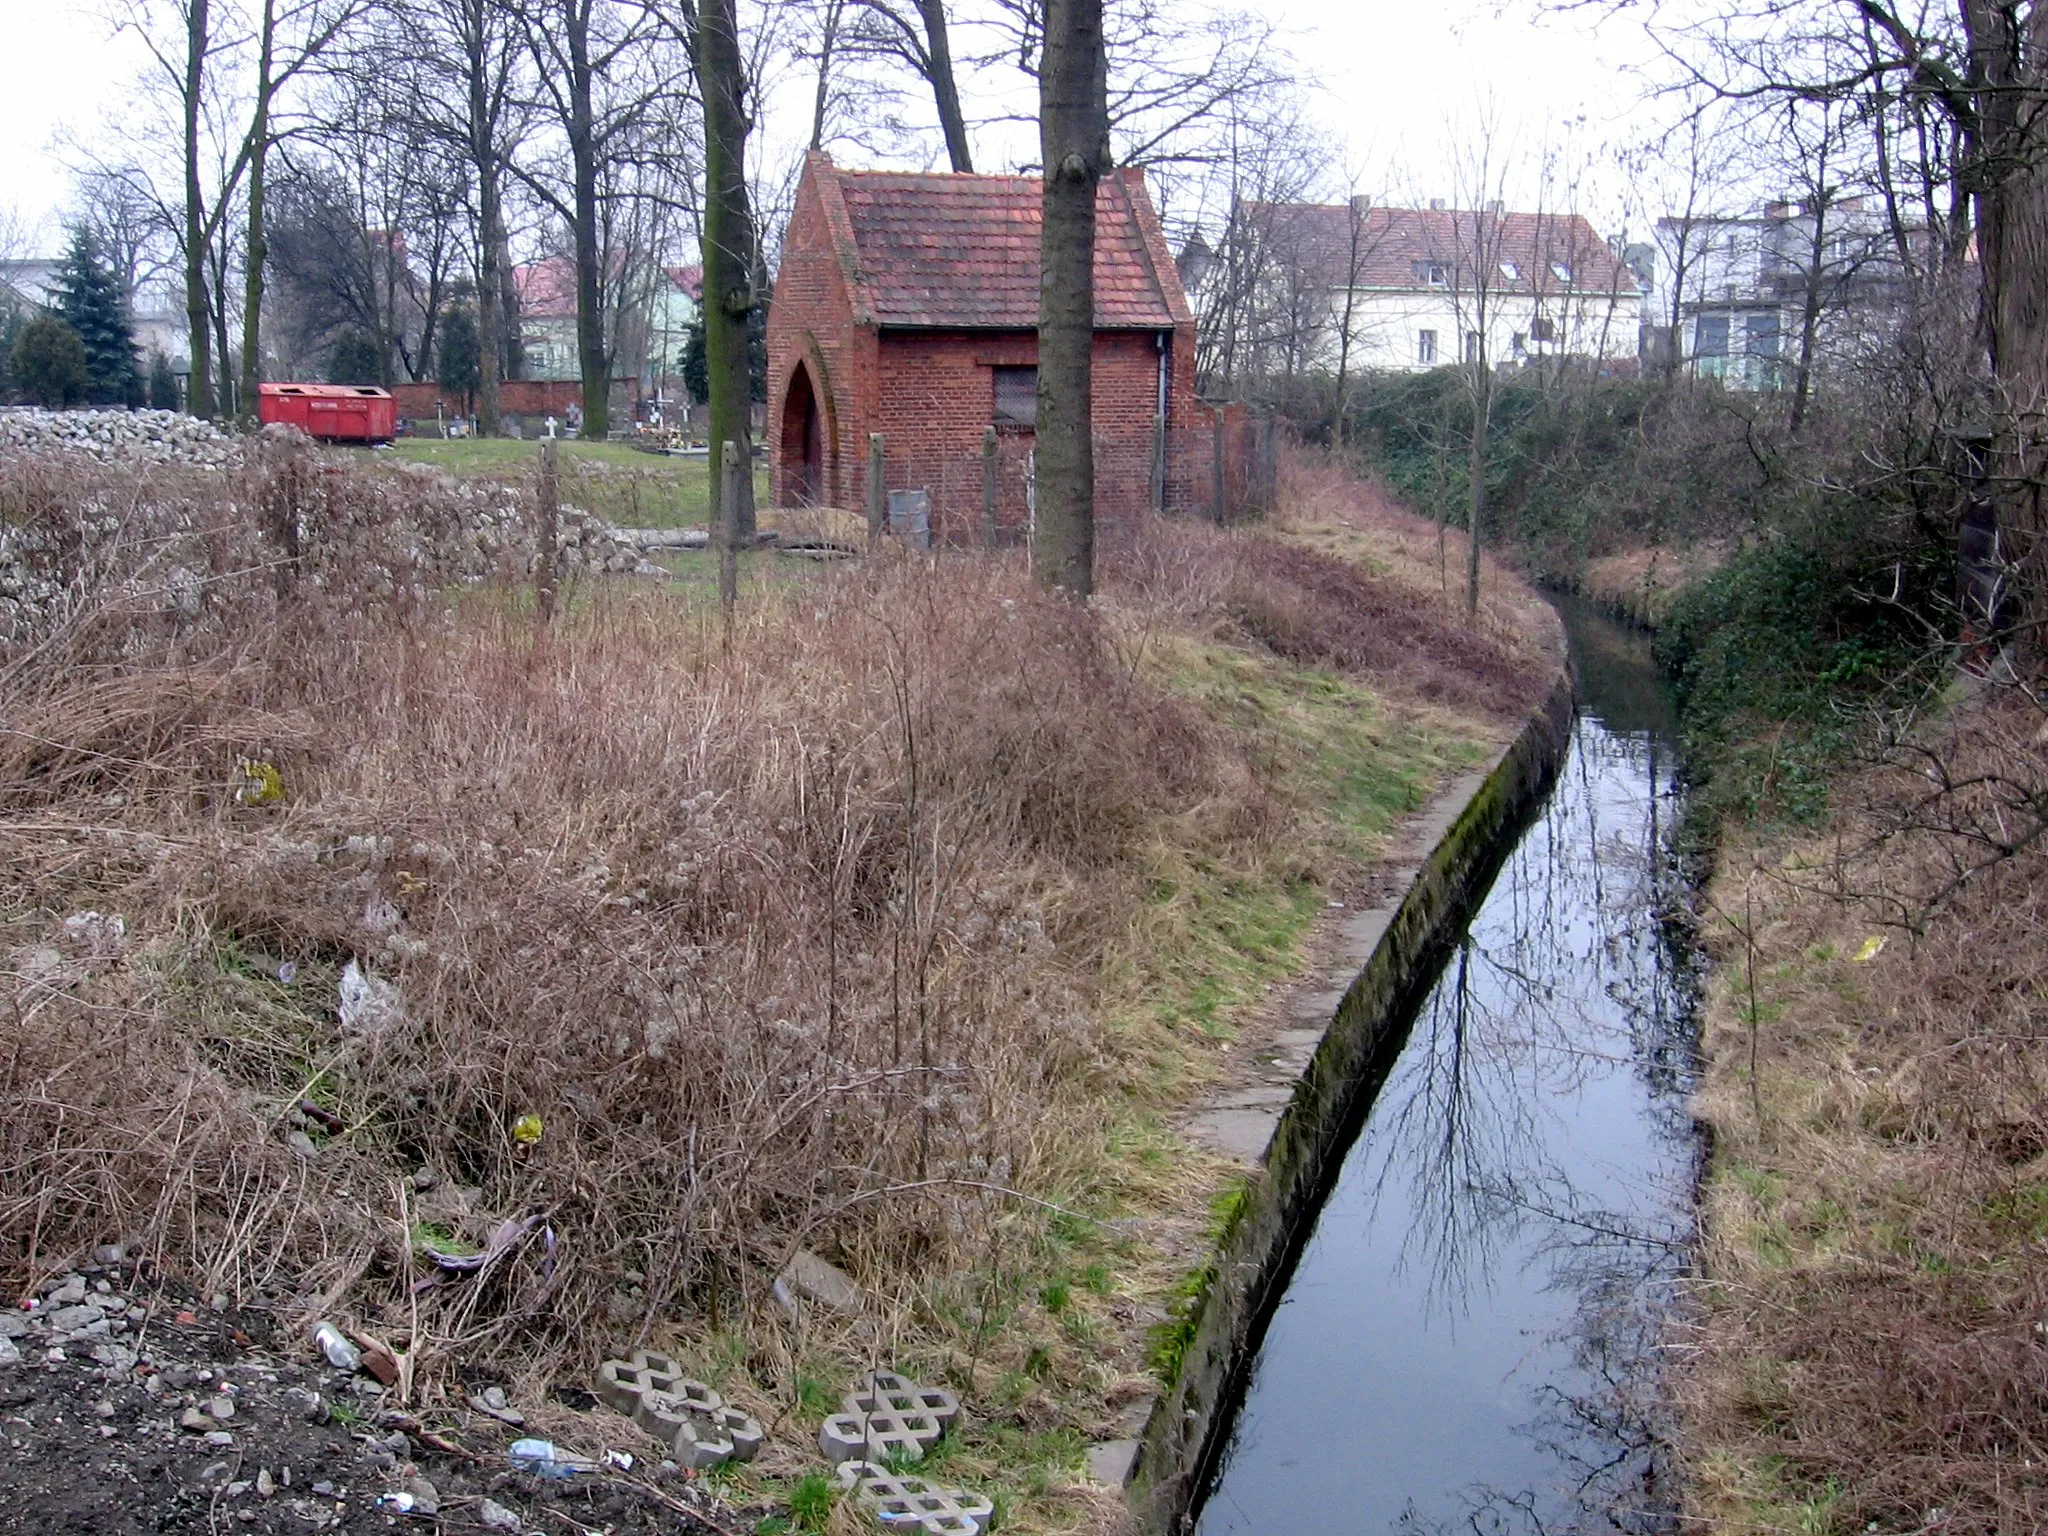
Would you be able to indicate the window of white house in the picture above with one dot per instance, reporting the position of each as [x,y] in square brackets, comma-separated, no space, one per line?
[1016,397]
[1425,346]
[1543,328]
[1471,346]
[1560,271]
[1710,336]
[1520,344]
[1510,271]
[1436,274]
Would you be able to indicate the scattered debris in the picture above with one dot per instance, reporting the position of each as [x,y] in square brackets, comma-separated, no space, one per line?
[368,1003]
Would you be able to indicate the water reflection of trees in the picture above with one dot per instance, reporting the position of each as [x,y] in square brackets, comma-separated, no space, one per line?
[1574,972]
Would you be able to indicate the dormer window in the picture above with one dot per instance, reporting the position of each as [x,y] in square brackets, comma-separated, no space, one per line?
[1511,272]
[1433,274]
[1560,271]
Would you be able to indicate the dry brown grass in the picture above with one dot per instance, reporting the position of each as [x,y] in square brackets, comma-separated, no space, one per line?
[1641,584]
[800,934]
[1871,1349]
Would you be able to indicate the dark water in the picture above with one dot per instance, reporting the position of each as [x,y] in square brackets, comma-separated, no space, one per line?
[1469,1339]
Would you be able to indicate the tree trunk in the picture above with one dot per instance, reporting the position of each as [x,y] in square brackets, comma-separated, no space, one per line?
[728,247]
[2008,52]
[945,92]
[828,40]
[483,154]
[257,254]
[1073,127]
[591,359]
[1475,506]
[199,397]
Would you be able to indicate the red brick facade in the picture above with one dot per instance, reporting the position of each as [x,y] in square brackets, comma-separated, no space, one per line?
[898,298]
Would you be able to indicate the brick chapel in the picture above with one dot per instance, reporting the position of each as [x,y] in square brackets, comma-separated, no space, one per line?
[907,304]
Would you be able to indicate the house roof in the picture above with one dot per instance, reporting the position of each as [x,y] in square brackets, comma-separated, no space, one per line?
[960,252]
[1394,245]
[546,289]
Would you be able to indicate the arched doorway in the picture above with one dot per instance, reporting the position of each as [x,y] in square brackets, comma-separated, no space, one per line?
[803,442]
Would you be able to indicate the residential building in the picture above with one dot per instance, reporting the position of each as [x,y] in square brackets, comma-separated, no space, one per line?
[1310,287]
[908,305]
[1734,291]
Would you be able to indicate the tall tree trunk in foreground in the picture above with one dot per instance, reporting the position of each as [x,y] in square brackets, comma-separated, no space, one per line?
[199,397]
[257,254]
[728,250]
[2009,70]
[581,130]
[1073,128]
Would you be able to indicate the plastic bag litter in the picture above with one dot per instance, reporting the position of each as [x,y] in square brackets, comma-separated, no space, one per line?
[368,1003]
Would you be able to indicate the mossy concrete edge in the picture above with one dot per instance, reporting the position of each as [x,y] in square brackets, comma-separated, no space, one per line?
[1253,1251]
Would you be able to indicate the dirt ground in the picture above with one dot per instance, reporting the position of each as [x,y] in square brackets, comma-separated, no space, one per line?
[158,1413]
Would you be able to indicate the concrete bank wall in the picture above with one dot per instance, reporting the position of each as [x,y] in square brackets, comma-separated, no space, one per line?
[1346,1066]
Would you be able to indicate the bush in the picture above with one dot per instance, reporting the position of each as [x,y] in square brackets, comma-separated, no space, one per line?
[48,363]
[1778,657]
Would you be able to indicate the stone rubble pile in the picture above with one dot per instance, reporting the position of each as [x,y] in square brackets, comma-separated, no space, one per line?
[156,437]
[188,550]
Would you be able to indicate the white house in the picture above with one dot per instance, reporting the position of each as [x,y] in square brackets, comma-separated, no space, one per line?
[1421,288]
[1733,290]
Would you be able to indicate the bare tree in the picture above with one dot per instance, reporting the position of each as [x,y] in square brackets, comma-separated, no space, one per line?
[1074,145]
[918,33]
[599,83]
[461,84]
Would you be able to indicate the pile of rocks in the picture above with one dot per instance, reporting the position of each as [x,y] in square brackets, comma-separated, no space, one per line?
[154,437]
[495,524]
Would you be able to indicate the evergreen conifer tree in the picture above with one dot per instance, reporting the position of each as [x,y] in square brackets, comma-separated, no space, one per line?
[163,384]
[47,363]
[461,370]
[92,303]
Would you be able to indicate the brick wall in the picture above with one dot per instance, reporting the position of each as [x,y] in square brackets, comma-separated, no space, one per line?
[533,398]
[932,395]
[811,325]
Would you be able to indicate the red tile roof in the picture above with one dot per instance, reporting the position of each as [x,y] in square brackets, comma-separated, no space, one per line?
[1394,243]
[953,251]
[546,288]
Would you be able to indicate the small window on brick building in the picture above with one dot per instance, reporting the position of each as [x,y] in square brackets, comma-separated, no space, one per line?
[1016,397]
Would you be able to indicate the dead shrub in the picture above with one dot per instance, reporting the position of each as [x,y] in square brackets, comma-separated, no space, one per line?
[788,935]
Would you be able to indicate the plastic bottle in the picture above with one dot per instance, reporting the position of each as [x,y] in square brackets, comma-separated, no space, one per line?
[341,1354]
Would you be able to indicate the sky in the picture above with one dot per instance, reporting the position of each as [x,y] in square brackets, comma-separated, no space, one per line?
[1400,83]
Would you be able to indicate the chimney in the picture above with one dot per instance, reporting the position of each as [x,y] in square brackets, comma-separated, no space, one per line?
[1496,206]
[1361,204]
[1436,205]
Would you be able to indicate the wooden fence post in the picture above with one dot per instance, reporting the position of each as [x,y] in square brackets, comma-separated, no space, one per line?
[988,488]
[877,497]
[549,538]
[729,525]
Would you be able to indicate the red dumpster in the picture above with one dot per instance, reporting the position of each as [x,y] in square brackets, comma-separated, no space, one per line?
[334,413]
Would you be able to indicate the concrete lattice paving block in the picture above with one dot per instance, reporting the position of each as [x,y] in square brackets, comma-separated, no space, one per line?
[687,1416]
[913,1503]
[889,1417]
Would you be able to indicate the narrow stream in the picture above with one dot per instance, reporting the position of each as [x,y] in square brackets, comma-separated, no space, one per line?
[1468,1340]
